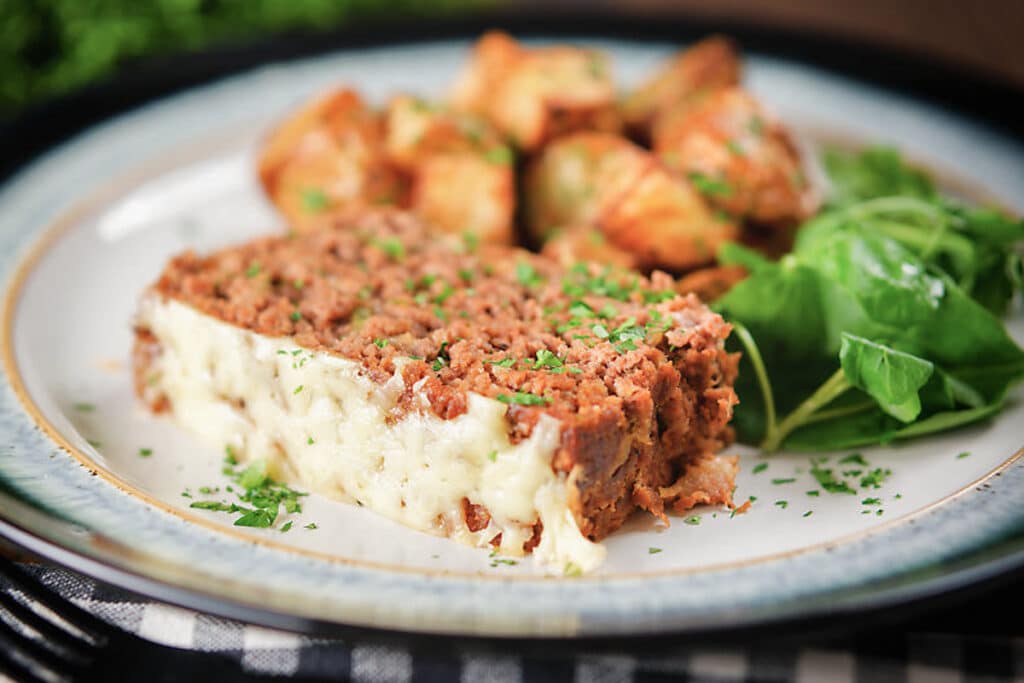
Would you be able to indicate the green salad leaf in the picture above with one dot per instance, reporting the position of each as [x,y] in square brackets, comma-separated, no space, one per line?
[882,323]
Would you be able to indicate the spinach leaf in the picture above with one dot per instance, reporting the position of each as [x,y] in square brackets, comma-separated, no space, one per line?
[873,172]
[891,377]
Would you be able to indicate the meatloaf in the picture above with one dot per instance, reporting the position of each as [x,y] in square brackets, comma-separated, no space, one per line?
[475,391]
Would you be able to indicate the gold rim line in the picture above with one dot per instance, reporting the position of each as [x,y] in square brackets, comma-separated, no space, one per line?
[208,148]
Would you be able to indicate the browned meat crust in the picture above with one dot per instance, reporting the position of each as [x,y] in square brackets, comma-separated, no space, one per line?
[637,375]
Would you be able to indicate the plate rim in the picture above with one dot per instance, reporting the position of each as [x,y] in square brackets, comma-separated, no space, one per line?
[37,235]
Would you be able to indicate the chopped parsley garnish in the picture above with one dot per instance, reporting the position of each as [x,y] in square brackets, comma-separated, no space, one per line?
[871,501]
[875,478]
[263,497]
[855,459]
[828,481]
[524,399]
[296,316]
[808,513]
[572,569]
[253,270]
[600,331]
[298,389]
[787,480]
[760,467]
[506,362]
[814,493]
[465,275]
[471,241]
[755,125]
[653,551]
[735,147]
[712,187]
[961,456]
[311,525]
[782,503]
[546,359]
[527,275]
[145,452]
[446,292]
[314,199]
[692,520]
[380,343]
[84,407]
[499,155]
[310,441]
[493,456]
[286,526]
[391,246]
[298,284]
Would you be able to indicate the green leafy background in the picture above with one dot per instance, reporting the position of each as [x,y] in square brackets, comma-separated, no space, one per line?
[48,47]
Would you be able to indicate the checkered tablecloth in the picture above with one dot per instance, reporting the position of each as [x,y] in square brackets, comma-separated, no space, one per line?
[881,655]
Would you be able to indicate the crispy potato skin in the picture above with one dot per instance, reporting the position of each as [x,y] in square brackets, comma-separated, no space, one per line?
[535,95]
[750,158]
[608,183]
[665,223]
[711,283]
[460,193]
[584,243]
[708,65]
[462,173]
[331,148]
[577,178]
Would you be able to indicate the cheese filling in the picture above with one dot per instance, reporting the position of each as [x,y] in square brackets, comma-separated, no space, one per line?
[320,423]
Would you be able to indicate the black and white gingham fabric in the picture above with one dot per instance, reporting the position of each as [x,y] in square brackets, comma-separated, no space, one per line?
[882,656]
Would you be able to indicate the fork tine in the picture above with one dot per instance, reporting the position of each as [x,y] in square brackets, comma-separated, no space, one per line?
[26,648]
[50,632]
[68,611]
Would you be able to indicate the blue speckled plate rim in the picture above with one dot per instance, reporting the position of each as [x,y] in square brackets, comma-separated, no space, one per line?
[960,525]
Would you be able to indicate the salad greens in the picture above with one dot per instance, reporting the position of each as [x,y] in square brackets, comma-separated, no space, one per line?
[883,323]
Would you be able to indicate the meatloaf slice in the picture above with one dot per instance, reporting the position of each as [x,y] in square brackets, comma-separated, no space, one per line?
[476,391]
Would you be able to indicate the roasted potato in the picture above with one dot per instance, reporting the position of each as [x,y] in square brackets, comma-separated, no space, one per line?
[577,178]
[606,182]
[586,243]
[533,95]
[711,283]
[738,156]
[462,172]
[711,64]
[327,156]
[416,129]
[466,193]
[665,223]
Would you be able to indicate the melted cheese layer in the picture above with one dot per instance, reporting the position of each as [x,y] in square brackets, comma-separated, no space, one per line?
[320,423]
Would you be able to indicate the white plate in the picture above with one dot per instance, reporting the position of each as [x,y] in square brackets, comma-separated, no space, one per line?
[96,220]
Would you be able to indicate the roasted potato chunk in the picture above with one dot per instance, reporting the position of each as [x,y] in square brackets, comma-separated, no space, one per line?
[665,223]
[327,156]
[606,182]
[533,95]
[577,178]
[585,243]
[711,283]
[708,65]
[416,130]
[466,193]
[462,172]
[738,156]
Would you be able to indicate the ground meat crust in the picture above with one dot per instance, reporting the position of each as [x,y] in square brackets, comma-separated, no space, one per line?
[637,375]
